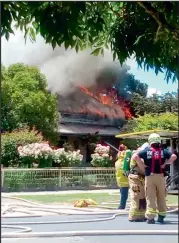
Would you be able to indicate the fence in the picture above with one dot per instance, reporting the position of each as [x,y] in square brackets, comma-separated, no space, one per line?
[14,180]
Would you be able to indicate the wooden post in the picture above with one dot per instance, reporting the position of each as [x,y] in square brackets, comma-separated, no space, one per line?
[60,179]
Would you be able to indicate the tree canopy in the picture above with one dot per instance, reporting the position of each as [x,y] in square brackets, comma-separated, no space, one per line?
[146,30]
[167,102]
[128,85]
[163,121]
[26,102]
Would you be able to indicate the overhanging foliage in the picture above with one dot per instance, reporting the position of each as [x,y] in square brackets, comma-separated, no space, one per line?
[146,30]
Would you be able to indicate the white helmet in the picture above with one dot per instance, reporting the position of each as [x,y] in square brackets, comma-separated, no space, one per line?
[154,138]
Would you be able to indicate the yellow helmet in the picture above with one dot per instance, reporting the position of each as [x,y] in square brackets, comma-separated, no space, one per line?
[154,138]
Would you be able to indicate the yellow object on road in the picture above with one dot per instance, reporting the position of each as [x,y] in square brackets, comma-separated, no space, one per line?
[84,203]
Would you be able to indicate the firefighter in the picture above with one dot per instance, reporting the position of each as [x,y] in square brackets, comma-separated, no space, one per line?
[122,167]
[155,159]
[137,191]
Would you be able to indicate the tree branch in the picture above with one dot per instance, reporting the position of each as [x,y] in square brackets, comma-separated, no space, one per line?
[159,18]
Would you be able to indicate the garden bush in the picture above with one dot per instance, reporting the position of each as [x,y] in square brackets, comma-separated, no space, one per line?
[67,158]
[26,181]
[10,141]
[101,156]
[39,154]
[42,155]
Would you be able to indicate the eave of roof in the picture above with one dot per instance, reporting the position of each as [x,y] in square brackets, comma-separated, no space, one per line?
[82,129]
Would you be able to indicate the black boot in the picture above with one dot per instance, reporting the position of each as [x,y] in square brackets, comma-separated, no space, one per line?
[136,220]
[150,221]
[160,219]
[120,207]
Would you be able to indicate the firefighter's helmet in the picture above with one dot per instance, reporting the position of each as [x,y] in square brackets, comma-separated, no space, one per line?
[154,138]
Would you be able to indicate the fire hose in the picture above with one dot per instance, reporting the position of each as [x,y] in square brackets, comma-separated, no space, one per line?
[25,232]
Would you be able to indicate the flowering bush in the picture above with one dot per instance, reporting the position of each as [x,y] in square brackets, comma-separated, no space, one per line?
[67,158]
[40,153]
[10,142]
[101,156]
[100,149]
[43,154]
[35,150]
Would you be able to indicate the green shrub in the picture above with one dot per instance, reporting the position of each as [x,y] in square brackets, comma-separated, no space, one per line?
[10,142]
[102,162]
[163,121]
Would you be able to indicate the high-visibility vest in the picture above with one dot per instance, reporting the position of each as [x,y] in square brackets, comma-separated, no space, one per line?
[122,165]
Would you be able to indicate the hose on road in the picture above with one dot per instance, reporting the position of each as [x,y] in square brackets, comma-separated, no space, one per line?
[32,207]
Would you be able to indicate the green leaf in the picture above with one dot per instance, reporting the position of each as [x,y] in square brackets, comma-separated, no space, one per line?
[32,34]
[66,44]
[21,26]
[121,5]
[138,39]
[38,30]
[96,51]
[73,44]
[7,36]
[11,31]
[34,24]
[54,43]
[114,56]
[49,39]
[102,51]
[77,47]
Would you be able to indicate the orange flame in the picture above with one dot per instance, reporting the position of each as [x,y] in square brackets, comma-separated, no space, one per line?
[110,98]
[104,99]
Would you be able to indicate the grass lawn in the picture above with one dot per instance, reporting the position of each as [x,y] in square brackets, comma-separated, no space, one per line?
[71,198]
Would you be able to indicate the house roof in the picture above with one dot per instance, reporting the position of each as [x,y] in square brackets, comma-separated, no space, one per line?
[80,102]
[82,129]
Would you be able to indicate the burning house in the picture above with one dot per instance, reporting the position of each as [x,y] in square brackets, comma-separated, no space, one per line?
[87,113]
[86,105]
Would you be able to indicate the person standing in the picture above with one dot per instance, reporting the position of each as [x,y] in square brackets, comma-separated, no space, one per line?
[155,159]
[122,167]
[137,190]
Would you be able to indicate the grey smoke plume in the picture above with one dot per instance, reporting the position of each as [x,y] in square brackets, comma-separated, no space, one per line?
[64,69]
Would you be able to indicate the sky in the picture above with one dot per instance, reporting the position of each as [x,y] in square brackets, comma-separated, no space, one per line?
[15,51]
[155,82]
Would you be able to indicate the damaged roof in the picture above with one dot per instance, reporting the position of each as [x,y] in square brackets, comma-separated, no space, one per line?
[80,102]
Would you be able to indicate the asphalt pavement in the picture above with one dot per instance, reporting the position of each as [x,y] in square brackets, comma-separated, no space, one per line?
[119,223]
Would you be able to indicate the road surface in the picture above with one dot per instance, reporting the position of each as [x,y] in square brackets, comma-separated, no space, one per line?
[119,223]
